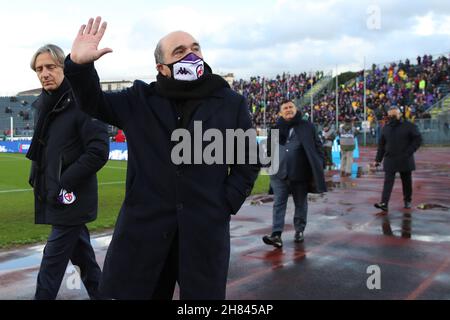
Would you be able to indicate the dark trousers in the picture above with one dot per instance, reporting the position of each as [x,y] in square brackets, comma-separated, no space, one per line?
[169,275]
[389,180]
[67,243]
[328,156]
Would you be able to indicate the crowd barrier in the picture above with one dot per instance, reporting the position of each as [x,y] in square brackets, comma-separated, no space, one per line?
[119,151]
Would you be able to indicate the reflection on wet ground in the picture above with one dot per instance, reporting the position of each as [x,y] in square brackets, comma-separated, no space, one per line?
[31,257]
[429,206]
[342,183]
[344,236]
[404,230]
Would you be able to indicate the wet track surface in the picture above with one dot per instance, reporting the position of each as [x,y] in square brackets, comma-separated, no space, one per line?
[344,237]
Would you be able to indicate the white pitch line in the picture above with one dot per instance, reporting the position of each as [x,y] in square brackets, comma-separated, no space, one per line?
[13,157]
[27,190]
[111,183]
[15,190]
[118,168]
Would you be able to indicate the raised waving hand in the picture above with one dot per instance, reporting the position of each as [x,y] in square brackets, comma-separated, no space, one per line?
[85,46]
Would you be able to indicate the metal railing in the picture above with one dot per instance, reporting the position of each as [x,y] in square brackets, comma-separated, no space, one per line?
[434,132]
[315,90]
[438,105]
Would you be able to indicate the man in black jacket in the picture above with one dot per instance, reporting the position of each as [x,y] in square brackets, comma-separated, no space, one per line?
[301,164]
[174,225]
[67,150]
[399,141]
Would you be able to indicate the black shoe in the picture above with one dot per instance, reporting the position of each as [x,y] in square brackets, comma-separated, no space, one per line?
[407,204]
[298,238]
[383,206]
[274,240]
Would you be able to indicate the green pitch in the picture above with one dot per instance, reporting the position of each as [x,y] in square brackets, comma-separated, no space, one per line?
[17,204]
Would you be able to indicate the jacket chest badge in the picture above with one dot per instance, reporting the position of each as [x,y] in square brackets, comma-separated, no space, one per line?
[66,197]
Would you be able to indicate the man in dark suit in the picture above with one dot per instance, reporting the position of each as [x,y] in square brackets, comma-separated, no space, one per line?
[174,222]
[301,164]
[67,150]
[399,140]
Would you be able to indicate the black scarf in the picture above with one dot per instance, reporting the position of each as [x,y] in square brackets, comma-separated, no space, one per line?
[285,127]
[46,103]
[187,95]
[395,122]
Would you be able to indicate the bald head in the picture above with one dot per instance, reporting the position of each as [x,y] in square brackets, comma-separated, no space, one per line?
[173,47]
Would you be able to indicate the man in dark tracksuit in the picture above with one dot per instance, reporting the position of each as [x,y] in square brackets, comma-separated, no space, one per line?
[67,150]
[300,172]
[174,225]
[399,141]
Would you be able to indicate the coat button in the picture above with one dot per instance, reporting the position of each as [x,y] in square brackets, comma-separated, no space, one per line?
[179,172]
[179,206]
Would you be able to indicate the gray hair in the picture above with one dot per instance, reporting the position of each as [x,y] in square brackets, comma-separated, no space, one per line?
[56,52]
[159,55]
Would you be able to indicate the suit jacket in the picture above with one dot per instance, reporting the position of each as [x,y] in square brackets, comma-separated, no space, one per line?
[305,136]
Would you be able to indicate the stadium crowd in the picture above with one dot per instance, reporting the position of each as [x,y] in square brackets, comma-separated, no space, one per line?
[413,87]
[276,90]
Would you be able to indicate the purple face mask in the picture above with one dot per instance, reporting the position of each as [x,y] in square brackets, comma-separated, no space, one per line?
[189,68]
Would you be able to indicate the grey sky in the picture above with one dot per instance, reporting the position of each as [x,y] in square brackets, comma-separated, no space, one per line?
[244,37]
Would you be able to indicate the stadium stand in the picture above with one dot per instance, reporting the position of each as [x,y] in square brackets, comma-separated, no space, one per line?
[274,91]
[22,112]
[422,90]
[416,88]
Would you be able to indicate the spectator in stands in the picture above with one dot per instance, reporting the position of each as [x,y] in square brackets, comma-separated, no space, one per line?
[300,172]
[67,149]
[265,95]
[120,136]
[174,223]
[399,141]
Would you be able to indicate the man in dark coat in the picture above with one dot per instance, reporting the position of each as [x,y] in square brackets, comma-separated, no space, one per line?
[174,223]
[399,141]
[67,150]
[301,164]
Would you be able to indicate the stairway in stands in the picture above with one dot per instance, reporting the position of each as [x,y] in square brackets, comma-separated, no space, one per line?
[315,90]
[443,106]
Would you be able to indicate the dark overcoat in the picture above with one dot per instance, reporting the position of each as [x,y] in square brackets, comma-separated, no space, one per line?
[398,143]
[164,199]
[75,147]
